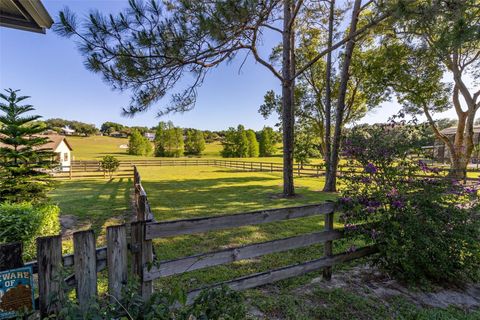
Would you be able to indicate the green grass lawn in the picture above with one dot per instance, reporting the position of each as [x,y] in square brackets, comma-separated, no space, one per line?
[186,192]
[95,147]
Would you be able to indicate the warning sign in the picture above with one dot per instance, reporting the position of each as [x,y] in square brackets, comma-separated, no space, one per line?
[16,291]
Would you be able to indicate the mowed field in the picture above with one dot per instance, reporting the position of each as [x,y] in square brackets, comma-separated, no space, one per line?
[95,147]
[186,192]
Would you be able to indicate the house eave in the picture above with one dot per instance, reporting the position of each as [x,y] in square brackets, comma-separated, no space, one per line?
[28,15]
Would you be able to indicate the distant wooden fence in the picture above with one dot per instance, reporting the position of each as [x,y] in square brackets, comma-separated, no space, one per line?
[92,169]
[306,170]
[136,240]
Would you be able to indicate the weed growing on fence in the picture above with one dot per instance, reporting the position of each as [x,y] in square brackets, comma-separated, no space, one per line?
[213,304]
[427,229]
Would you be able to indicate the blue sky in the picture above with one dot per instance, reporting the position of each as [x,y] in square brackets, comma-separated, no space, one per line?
[50,70]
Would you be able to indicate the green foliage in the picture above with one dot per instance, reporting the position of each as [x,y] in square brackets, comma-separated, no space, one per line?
[426,228]
[109,165]
[214,304]
[25,222]
[219,303]
[22,159]
[305,147]
[80,128]
[110,127]
[139,145]
[194,142]
[168,140]
[267,143]
[253,146]
[235,143]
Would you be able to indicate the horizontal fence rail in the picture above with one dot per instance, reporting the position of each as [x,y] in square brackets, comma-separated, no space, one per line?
[198,225]
[305,170]
[210,259]
[262,278]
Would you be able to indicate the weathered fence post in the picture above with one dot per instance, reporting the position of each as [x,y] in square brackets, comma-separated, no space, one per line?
[85,258]
[142,256]
[142,206]
[116,260]
[70,172]
[49,258]
[328,246]
[11,256]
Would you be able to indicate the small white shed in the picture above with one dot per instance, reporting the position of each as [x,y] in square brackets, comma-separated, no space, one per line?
[62,149]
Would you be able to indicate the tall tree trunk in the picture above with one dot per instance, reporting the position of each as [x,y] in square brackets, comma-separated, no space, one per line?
[331,180]
[288,119]
[328,97]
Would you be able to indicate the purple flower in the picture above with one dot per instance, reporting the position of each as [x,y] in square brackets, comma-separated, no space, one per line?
[371,209]
[393,193]
[423,166]
[352,248]
[398,204]
[345,200]
[370,168]
[366,180]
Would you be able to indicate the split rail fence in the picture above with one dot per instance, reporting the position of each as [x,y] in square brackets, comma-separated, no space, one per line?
[136,240]
[306,170]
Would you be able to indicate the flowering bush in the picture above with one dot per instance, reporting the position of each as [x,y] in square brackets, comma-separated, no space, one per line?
[426,228]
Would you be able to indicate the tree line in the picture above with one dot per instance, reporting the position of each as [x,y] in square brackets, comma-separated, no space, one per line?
[172,141]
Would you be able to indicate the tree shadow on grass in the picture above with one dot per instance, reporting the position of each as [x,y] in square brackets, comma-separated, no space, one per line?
[94,201]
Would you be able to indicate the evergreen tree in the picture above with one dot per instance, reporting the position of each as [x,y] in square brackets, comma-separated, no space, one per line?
[253,147]
[22,158]
[241,142]
[229,149]
[194,142]
[139,145]
[267,144]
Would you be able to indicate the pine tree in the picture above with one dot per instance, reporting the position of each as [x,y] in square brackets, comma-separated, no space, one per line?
[194,142]
[267,144]
[241,142]
[253,147]
[23,160]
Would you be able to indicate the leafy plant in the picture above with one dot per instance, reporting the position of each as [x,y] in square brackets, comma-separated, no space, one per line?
[426,228]
[109,165]
[214,304]
[25,222]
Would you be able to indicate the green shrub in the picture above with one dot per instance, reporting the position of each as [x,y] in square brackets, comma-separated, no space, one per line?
[426,228]
[25,222]
[212,304]
[109,165]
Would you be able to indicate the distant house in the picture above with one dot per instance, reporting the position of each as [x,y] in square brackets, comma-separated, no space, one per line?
[149,135]
[117,134]
[440,150]
[59,145]
[67,131]
[62,149]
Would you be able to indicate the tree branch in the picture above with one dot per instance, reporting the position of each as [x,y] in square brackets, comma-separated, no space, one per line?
[341,43]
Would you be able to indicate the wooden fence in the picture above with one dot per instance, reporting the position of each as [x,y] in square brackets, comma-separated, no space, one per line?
[136,240]
[306,170]
[87,169]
